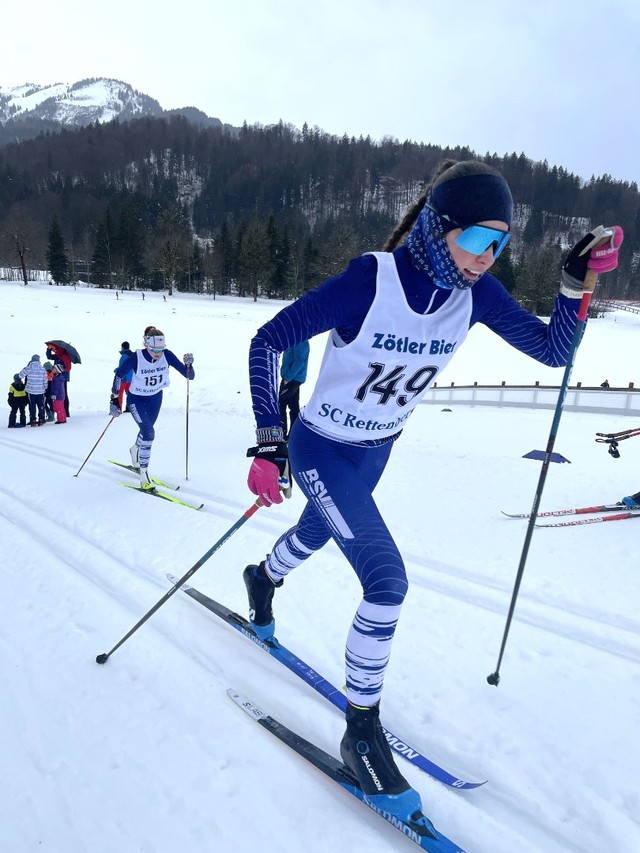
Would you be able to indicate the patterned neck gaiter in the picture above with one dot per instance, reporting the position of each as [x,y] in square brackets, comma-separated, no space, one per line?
[429,252]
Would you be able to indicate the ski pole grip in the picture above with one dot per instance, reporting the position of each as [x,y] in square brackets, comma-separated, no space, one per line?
[591,278]
[590,281]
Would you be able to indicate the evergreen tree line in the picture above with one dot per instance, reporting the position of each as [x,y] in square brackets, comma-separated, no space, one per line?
[271,211]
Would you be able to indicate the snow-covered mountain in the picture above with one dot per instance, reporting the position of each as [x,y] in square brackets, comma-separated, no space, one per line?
[78,104]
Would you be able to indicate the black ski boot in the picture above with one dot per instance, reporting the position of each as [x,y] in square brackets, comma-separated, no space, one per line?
[260,589]
[366,753]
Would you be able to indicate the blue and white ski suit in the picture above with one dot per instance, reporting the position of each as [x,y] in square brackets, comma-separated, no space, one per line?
[392,330]
[144,398]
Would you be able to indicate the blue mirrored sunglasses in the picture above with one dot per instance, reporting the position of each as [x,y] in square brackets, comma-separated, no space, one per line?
[476,239]
[151,349]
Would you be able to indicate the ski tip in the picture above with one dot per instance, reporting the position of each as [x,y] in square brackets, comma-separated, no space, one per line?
[247,705]
[174,580]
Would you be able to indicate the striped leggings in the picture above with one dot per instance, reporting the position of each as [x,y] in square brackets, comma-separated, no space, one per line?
[145,411]
[338,480]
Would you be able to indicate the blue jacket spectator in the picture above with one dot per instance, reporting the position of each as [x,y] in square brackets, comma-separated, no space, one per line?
[292,374]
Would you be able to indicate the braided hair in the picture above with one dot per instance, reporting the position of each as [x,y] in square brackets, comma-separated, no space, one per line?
[397,236]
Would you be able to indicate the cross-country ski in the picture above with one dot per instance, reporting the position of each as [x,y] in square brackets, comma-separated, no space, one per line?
[156,480]
[594,519]
[419,829]
[165,496]
[583,510]
[321,685]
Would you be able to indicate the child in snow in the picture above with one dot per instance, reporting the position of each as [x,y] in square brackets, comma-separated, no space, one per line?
[36,382]
[125,353]
[48,403]
[17,400]
[61,356]
[58,393]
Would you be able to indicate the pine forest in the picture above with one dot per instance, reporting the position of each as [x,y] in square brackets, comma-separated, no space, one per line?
[164,204]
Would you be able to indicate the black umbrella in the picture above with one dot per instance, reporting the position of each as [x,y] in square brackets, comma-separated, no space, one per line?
[74,355]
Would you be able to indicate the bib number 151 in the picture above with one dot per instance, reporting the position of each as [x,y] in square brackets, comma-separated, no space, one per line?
[151,381]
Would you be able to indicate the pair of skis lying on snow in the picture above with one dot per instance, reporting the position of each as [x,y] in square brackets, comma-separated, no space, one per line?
[420,830]
[619,511]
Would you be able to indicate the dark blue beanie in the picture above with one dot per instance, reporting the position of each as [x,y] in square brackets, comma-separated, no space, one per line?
[470,192]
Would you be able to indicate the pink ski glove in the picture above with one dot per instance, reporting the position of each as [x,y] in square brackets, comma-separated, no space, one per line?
[263,481]
[605,258]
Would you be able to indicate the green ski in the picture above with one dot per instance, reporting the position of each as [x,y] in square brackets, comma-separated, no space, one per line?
[163,495]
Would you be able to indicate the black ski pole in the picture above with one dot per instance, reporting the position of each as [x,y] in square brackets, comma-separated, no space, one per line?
[614,438]
[95,445]
[590,282]
[186,446]
[625,433]
[104,657]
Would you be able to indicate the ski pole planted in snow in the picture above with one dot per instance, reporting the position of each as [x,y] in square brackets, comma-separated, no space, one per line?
[113,417]
[613,237]
[104,657]
[186,445]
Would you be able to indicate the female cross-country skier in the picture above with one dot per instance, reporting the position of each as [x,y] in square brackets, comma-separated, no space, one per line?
[395,318]
[150,368]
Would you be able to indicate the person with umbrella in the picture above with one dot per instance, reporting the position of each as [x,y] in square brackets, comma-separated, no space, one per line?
[65,355]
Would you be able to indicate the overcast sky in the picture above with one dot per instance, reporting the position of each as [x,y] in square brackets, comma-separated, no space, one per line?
[557,80]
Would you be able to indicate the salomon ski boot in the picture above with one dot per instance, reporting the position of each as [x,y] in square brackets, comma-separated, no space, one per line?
[260,589]
[366,753]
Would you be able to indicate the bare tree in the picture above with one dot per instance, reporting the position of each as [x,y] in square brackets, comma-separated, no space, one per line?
[16,242]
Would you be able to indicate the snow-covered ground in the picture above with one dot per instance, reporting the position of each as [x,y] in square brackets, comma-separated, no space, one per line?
[148,755]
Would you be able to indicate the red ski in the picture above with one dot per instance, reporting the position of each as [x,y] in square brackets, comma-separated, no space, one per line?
[581,510]
[621,516]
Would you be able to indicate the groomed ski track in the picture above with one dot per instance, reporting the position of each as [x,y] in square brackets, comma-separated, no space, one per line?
[102,580]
